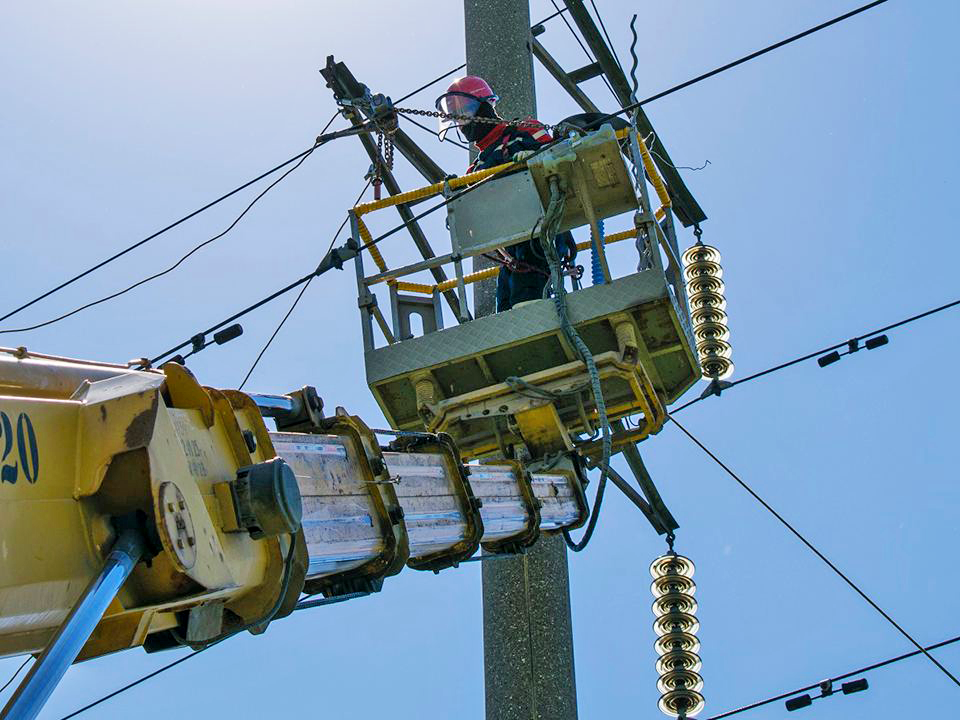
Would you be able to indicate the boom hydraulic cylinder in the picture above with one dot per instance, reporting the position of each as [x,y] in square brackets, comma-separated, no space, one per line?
[70,638]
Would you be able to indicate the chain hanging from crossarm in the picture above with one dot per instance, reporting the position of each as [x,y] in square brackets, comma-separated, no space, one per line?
[560,128]
[384,159]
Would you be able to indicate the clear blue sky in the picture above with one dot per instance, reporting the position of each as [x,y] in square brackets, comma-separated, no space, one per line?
[830,194]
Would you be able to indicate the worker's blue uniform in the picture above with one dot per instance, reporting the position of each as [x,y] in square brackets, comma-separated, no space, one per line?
[513,286]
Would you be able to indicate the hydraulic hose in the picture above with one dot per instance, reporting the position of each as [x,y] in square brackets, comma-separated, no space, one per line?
[551,223]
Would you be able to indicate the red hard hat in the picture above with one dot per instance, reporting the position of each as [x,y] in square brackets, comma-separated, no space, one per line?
[463,98]
[473,85]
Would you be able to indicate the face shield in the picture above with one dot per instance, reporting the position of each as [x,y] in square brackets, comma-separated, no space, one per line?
[460,104]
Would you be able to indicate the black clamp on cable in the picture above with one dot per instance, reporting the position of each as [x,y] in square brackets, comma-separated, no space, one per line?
[199,341]
[337,256]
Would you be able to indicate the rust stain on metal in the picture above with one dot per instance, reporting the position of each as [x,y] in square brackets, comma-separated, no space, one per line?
[140,429]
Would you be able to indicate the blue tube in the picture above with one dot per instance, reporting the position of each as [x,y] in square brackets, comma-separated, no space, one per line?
[596,270]
[40,682]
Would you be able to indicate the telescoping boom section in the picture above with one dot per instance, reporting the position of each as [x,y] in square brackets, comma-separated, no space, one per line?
[518,383]
[233,522]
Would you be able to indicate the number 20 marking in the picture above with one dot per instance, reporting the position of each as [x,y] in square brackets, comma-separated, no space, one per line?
[27,455]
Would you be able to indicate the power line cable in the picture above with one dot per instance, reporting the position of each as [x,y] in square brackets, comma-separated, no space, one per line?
[838,678]
[260,303]
[814,550]
[583,47]
[332,259]
[735,63]
[551,16]
[471,188]
[650,99]
[603,27]
[17,672]
[464,65]
[143,679]
[160,232]
[302,605]
[293,306]
[182,259]
[423,127]
[432,82]
[809,356]
[209,205]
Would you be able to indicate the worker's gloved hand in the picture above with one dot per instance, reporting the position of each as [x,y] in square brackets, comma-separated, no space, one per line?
[523,155]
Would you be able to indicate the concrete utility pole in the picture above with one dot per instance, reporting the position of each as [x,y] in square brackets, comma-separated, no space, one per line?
[527,633]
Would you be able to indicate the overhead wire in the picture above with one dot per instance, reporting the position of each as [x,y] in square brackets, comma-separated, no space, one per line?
[473,187]
[583,47]
[293,306]
[302,605]
[810,546]
[740,61]
[423,127]
[236,316]
[209,205]
[838,678]
[464,65]
[146,677]
[823,351]
[432,82]
[551,16]
[613,49]
[160,232]
[179,262]
[16,672]
[650,99]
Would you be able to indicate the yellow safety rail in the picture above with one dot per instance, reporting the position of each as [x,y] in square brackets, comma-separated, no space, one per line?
[652,172]
[431,190]
[426,289]
[470,179]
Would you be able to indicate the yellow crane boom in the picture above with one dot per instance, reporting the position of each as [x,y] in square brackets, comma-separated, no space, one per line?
[231,522]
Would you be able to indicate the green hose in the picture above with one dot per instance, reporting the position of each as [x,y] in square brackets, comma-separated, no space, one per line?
[551,224]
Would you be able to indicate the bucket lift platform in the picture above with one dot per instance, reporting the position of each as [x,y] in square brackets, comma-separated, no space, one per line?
[513,378]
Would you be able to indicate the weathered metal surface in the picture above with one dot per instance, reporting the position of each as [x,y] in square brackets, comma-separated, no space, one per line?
[340,521]
[439,510]
[345,85]
[510,511]
[518,210]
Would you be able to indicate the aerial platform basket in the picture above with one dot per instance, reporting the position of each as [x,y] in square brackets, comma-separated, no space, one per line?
[513,378]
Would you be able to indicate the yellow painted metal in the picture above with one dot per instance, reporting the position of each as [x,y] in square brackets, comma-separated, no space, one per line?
[653,173]
[468,279]
[412,196]
[432,190]
[422,288]
[100,442]
[543,431]
[94,442]
[366,457]
[470,179]
[463,416]
[426,289]
[367,239]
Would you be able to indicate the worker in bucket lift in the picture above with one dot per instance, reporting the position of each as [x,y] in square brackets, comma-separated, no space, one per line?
[471,103]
